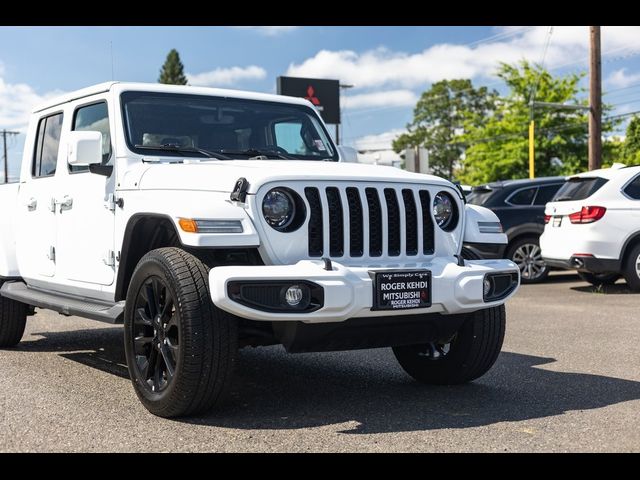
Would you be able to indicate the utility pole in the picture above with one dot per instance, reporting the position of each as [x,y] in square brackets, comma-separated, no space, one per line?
[595,100]
[6,158]
[342,87]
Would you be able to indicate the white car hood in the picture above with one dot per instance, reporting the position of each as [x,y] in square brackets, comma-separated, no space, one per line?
[221,176]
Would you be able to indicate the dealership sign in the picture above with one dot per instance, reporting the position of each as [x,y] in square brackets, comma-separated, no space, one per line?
[324,94]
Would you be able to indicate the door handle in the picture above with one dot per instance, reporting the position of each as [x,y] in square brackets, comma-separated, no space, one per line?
[32,204]
[65,204]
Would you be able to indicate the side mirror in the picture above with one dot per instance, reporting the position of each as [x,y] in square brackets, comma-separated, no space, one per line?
[85,148]
[348,154]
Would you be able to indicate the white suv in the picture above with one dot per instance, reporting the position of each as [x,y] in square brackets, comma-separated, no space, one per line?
[593,225]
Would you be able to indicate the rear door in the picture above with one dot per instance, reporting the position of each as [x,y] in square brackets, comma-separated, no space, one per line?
[36,225]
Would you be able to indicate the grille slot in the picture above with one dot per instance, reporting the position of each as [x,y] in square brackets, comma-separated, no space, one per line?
[356,240]
[315,222]
[411,221]
[375,222]
[393,221]
[336,226]
[427,223]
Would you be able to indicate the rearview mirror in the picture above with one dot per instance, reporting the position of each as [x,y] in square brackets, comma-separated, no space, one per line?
[348,154]
[85,148]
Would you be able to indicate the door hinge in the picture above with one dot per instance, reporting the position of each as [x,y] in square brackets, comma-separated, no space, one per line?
[109,258]
[112,202]
[52,253]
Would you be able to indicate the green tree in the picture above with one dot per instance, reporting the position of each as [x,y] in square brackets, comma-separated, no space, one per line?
[172,72]
[630,151]
[498,148]
[439,119]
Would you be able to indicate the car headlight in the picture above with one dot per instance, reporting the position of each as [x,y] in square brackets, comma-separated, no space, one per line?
[278,208]
[445,211]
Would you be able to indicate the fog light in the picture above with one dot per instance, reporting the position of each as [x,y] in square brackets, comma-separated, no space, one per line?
[294,295]
[487,286]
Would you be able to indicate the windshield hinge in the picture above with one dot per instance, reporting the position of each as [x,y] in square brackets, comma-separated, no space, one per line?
[113,201]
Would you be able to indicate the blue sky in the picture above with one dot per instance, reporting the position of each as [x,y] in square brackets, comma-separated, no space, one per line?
[389,66]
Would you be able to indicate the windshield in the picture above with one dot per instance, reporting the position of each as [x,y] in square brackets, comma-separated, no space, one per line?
[192,125]
[579,188]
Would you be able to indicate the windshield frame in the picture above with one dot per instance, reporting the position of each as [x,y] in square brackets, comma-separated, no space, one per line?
[334,156]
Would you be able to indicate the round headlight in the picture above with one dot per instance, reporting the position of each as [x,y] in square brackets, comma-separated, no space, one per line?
[278,208]
[444,211]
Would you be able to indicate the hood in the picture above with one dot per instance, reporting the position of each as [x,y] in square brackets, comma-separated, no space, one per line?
[221,176]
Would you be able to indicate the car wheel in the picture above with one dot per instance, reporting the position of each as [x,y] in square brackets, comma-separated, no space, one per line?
[599,278]
[527,255]
[13,318]
[631,269]
[180,348]
[470,354]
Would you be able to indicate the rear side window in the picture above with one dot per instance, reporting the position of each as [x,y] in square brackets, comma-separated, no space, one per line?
[45,155]
[522,197]
[546,193]
[633,189]
[94,118]
[579,188]
[479,196]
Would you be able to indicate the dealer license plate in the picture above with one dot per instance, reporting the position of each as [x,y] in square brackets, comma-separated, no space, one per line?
[401,289]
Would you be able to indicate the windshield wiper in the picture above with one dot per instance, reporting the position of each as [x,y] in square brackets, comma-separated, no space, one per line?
[254,152]
[177,148]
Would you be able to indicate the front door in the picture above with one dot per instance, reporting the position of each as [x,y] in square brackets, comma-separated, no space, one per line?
[85,221]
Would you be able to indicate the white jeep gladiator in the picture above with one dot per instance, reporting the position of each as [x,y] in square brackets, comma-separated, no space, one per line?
[208,220]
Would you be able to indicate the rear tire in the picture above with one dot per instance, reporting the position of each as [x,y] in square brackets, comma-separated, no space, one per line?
[13,318]
[631,269]
[597,279]
[472,352]
[180,348]
[525,252]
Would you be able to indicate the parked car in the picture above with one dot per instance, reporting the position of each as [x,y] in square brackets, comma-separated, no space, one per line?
[519,204]
[593,225]
[206,220]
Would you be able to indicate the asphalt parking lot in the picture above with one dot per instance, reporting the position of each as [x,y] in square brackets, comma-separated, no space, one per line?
[568,379]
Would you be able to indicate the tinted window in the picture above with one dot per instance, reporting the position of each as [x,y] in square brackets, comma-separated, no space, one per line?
[94,118]
[633,189]
[579,188]
[47,144]
[523,197]
[546,193]
[288,136]
[479,196]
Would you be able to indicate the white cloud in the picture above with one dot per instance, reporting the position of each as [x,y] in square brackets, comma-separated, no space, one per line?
[621,79]
[270,30]
[380,141]
[16,102]
[226,76]
[388,98]
[383,67]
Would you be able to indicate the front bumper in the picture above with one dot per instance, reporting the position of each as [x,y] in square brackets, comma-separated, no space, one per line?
[348,291]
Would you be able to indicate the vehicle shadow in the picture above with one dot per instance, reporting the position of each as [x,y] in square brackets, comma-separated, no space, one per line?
[561,277]
[620,288]
[275,390]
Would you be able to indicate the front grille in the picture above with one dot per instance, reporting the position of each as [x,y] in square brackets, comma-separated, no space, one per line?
[369,221]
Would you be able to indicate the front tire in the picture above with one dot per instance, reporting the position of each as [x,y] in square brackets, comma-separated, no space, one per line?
[470,354]
[180,348]
[13,318]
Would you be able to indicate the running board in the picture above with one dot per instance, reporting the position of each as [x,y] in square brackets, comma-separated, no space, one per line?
[63,303]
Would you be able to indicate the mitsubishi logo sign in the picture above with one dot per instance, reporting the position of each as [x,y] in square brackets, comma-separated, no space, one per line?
[323,94]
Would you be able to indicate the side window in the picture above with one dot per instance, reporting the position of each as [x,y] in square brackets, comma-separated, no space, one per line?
[633,189]
[546,193]
[94,118]
[522,197]
[45,156]
[288,136]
